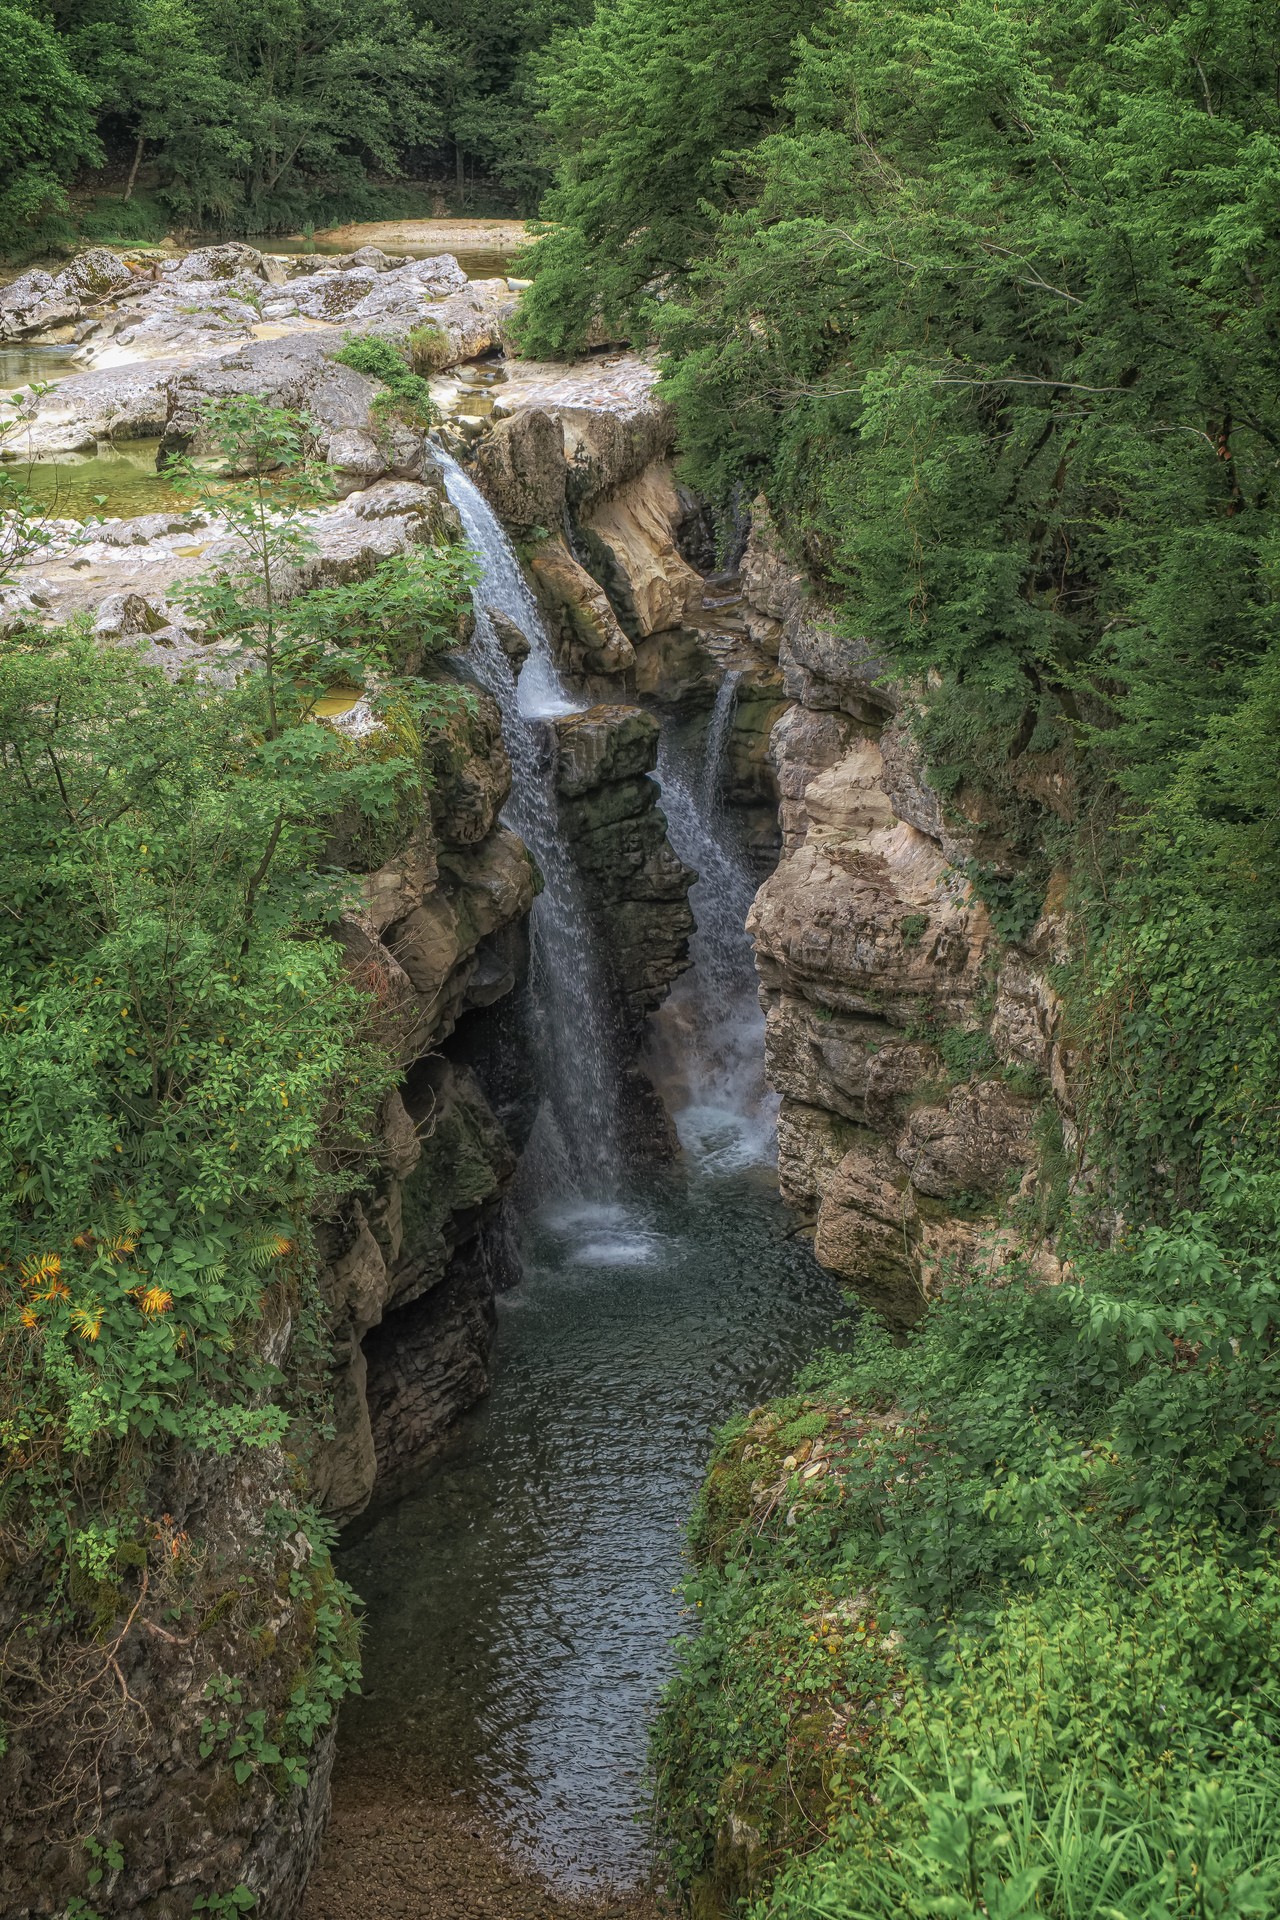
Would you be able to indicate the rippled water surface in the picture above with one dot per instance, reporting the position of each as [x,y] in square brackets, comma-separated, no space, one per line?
[520,1601]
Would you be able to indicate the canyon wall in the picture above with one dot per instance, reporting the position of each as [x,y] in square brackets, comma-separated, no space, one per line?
[913,1046]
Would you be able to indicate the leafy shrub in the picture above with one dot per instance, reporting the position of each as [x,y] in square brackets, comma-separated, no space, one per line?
[408,395]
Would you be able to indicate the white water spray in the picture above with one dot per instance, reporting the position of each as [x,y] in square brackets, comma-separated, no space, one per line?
[709,1035]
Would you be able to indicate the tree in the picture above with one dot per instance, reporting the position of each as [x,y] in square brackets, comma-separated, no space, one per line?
[649,107]
[47,124]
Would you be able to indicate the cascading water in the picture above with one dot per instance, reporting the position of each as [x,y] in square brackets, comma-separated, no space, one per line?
[521,1600]
[709,1036]
[570,1000]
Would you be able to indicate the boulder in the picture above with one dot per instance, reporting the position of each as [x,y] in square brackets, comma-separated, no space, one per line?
[511,639]
[233,260]
[603,746]
[872,927]
[38,301]
[970,1144]
[95,275]
[637,887]
[467,758]
[855,1066]
[582,625]
[296,372]
[519,467]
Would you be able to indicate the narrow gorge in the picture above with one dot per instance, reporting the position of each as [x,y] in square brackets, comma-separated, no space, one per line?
[578,1154]
[639,1097]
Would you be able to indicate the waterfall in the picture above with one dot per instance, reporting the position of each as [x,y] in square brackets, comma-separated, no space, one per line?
[708,1039]
[579,1142]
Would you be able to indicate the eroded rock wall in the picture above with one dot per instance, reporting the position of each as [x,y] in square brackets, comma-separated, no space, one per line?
[919,1056]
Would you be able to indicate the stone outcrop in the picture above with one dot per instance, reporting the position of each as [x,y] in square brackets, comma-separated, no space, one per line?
[637,887]
[37,301]
[914,1050]
[392,1265]
[520,467]
[120,403]
[631,534]
[128,575]
[296,373]
[584,630]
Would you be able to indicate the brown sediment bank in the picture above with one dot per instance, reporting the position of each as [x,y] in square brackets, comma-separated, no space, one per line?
[449,236]
[402,1850]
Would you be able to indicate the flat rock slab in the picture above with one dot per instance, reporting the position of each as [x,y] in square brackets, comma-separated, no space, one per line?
[126,574]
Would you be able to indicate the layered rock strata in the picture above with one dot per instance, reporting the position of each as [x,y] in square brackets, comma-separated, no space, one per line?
[637,887]
[917,1054]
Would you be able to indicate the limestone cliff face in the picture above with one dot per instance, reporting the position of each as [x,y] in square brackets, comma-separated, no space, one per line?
[915,1052]
[440,935]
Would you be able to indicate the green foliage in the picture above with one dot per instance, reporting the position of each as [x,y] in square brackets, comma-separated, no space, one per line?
[1051,1515]
[646,105]
[261,118]
[368,633]
[187,1074]
[491,55]
[46,125]
[173,1037]
[966,1051]
[408,396]
[226,1905]
[984,300]
[252,110]
[987,311]
[1015,901]
[104,1857]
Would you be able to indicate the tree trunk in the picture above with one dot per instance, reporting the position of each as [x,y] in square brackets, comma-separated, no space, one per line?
[461,163]
[137,161]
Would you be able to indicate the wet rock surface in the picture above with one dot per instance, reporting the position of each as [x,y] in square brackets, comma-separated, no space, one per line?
[637,887]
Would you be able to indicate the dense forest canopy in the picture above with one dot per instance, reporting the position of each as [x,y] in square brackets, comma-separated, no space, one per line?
[264,116]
